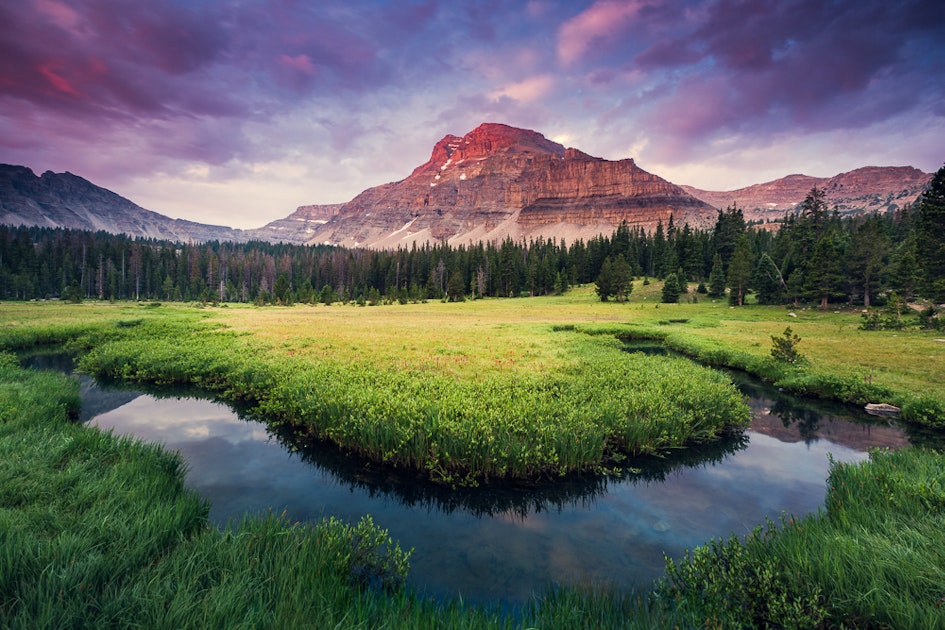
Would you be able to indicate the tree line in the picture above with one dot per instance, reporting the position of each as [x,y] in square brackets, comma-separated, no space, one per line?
[814,256]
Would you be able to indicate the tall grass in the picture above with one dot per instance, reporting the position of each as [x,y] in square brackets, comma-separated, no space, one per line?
[600,404]
[874,558]
[803,380]
[97,531]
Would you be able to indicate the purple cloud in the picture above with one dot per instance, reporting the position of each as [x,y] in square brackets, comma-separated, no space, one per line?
[109,88]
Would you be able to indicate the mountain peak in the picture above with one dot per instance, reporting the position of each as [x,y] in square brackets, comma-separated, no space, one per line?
[487,140]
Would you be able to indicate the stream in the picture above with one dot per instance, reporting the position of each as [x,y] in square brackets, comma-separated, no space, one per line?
[503,545]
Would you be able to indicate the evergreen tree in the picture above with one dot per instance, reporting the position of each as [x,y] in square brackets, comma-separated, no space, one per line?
[681,280]
[605,280]
[767,281]
[561,283]
[281,290]
[905,272]
[717,278]
[866,257]
[671,289]
[622,280]
[930,238]
[729,227]
[825,276]
[456,287]
[740,271]
[658,252]
[326,296]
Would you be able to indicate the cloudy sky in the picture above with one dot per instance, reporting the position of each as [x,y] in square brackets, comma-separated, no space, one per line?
[234,112]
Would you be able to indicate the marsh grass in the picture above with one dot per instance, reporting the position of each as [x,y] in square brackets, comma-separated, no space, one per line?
[563,403]
[874,558]
[97,531]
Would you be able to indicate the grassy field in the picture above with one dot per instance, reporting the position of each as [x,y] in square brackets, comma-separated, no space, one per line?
[461,395]
[473,340]
[98,531]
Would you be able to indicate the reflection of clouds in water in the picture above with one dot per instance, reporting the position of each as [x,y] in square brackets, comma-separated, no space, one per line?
[196,432]
[523,539]
[169,418]
[770,458]
[533,521]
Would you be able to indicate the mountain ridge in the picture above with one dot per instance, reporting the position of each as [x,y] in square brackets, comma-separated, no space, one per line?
[495,182]
[64,200]
[861,191]
[500,182]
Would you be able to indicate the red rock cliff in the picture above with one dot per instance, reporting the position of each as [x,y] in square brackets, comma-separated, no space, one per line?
[499,181]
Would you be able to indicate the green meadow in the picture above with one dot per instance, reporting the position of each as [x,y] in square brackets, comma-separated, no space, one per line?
[97,530]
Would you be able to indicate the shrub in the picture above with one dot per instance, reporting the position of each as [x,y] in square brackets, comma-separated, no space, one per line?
[736,584]
[785,347]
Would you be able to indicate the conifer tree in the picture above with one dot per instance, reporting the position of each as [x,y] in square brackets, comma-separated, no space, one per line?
[825,275]
[729,227]
[717,278]
[622,279]
[930,238]
[671,289]
[605,280]
[681,279]
[768,282]
[740,271]
[866,257]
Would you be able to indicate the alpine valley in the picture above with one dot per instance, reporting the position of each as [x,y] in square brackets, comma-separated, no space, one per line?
[495,182]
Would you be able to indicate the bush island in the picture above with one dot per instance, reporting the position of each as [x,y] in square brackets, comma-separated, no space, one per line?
[503,424]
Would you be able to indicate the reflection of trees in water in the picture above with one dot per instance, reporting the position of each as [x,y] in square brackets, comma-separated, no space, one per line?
[805,421]
[924,437]
[97,398]
[519,497]
[515,498]
[806,415]
[48,359]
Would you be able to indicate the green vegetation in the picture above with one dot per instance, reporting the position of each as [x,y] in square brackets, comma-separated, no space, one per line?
[98,531]
[574,404]
[784,348]
[875,558]
[815,256]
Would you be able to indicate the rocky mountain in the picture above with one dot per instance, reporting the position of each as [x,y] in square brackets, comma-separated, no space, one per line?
[495,182]
[499,181]
[299,226]
[68,201]
[864,190]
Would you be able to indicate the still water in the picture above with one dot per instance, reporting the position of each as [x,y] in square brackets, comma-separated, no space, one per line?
[504,545]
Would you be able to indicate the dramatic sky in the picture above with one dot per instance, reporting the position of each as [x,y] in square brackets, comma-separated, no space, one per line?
[234,112]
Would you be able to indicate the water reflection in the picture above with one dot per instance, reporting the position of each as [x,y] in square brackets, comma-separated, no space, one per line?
[504,498]
[505,543]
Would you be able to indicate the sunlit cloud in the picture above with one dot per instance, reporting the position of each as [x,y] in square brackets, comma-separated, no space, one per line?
[528,90]
[238,112]
[595,26]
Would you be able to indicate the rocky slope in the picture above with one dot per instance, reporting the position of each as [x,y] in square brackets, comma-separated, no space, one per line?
[68,201]
[495,182]
[864,190]
[499,181]
[299,226]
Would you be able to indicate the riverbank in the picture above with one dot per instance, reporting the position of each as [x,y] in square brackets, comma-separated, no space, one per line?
[98,530]
[474,401]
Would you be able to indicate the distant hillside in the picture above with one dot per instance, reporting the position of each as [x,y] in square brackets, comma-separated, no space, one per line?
[299,227]
[495,182]
[864,190]
[68,201]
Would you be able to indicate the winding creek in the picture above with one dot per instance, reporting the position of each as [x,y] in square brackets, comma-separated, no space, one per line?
[503,545]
